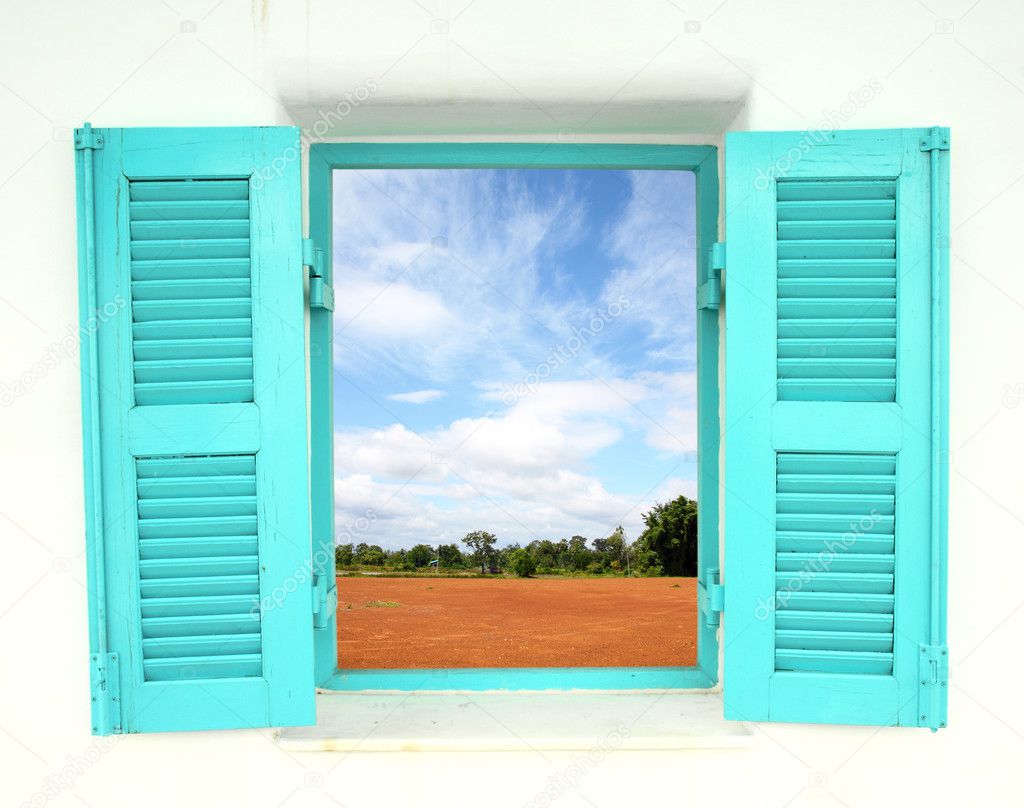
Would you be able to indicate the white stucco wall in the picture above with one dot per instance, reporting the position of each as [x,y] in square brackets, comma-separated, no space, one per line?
[616,70]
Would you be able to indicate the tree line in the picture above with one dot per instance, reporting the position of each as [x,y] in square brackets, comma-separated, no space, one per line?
[667,546]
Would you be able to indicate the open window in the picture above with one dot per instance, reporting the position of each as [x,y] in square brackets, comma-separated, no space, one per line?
[325,161]
[211,549]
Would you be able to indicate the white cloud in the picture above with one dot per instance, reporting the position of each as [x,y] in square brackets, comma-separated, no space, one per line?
[674,428]
[655,243]
[439,283]
[523,471]
[417,396]
[389,311]
[394,452]
[435,285]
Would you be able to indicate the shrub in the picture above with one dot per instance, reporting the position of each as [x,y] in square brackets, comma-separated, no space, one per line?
[646,563]
[521,563]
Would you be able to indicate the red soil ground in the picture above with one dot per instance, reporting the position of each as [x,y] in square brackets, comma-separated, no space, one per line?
[515,623]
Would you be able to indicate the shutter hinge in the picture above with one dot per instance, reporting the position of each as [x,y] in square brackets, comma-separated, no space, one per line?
[321,294]
[709,294]
[105,691]
[934,676]
[325,599]
[937,138]
[88,138]
[711,598]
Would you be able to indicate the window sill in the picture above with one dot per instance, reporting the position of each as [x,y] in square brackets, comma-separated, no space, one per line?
[515,722]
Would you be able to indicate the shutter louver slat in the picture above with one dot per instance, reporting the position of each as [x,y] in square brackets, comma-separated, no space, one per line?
[836,250]
[198,567]
[196,479]
[190,269]
[835,563]
[191,287]
[836,482]
[194,608]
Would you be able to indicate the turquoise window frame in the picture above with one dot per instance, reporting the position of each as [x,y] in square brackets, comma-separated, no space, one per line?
[324,159]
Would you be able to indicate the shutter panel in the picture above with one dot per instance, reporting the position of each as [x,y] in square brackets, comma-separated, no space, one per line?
[194,394]
[836,344]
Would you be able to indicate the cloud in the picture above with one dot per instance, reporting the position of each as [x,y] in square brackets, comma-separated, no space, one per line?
[446,273]
[524,470]
[417,396]
[389,311]
[393,453]
[654,244]
[471,281]
[404,514]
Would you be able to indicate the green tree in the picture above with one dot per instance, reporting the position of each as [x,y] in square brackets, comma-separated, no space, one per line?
[521,563]
[612,549]
[577,556]
[343,555]
[370,554]
[544,553]
[451,556]
[562,553]
[420,555]
[482,544]
[644,561]
[503,555]
[671,535]
[396,559]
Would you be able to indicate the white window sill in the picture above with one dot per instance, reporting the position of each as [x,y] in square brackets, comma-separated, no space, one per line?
[517,721]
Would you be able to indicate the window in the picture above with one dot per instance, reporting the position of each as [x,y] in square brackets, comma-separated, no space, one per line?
[205,611]
[327,158]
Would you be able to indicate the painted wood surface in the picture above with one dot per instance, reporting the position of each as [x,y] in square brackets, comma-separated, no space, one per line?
[199,579]
[830,246]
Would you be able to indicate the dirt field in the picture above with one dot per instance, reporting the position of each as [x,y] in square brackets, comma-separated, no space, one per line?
[515,623]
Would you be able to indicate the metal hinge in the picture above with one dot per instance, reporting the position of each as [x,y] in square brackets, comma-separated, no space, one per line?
[711,597]
[88,138]
[934,675]
[321,294]
[325,599]
[937,138]
[709,294]
[105,691]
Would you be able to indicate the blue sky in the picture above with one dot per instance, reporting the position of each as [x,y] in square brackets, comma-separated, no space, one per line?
[514,351]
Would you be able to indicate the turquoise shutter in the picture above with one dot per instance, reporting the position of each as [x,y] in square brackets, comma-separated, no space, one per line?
[836,346]
[194,403]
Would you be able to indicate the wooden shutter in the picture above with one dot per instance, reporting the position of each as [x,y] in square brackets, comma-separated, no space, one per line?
[194,397]
[836,345]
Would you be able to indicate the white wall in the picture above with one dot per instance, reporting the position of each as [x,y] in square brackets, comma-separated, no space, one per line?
[613,69]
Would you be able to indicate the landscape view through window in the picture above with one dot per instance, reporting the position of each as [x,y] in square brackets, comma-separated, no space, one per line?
[515,418]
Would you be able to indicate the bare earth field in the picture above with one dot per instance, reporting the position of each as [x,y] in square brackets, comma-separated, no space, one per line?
[515,623]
